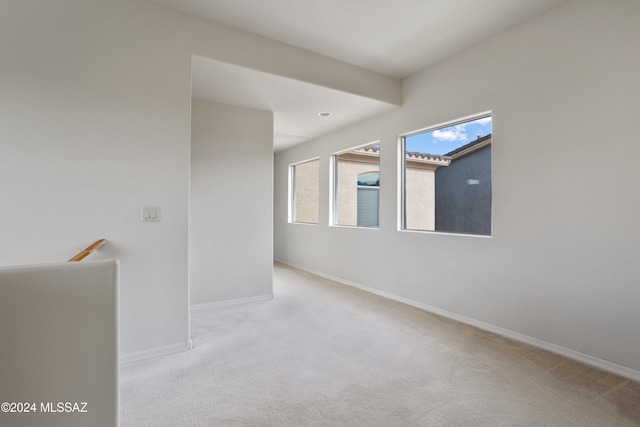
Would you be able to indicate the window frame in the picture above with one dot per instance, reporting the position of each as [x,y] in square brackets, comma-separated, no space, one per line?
[402,175]
[291,199]
[333,199]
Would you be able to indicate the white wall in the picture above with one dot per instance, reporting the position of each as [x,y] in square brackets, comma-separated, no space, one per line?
[59,329]
[561,266]
[94,122]
[231,215]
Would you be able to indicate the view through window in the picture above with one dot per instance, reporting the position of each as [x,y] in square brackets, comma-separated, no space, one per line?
[356,186]
[447,178]
[304,192]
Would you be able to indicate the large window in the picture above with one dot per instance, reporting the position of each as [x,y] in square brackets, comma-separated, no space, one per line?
[446,178]
[304,192]
[356,177]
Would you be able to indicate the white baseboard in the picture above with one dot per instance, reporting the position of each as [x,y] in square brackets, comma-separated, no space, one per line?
[596,362]
[215,304]
[178,348]
[155,352]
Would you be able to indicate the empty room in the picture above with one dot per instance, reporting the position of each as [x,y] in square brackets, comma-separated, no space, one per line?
[349,213]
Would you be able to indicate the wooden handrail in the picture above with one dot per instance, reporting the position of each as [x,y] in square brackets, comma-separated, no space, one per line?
[92,247]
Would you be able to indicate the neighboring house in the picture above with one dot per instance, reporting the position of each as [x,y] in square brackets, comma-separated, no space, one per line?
[448,193]
[463,190]
[357,187]
[420,189]
[306,192]
[358,183]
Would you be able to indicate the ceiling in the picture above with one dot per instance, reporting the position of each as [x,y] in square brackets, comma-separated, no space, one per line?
[295,104]
[394,38]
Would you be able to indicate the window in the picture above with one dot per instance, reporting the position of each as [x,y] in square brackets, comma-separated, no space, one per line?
[368,199]
[446,178]
[356,179]
[304,192]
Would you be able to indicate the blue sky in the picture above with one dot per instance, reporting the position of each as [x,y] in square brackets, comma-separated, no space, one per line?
[444,140]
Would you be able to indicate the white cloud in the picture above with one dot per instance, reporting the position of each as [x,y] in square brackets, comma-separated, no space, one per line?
[454,133]
[484,120]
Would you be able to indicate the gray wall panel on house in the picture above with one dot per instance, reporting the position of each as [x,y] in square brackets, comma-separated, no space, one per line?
[463,194]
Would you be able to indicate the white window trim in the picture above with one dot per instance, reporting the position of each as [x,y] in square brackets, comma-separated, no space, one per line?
[401,145]
[291,206]
[333,165]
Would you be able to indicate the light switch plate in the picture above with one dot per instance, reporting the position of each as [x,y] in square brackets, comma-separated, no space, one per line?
[150,213]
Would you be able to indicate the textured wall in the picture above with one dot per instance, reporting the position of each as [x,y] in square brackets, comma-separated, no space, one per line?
[462,207]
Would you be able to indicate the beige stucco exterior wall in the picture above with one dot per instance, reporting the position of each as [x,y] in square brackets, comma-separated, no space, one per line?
[349,166]
[306,197]
[420,198]
[420,189]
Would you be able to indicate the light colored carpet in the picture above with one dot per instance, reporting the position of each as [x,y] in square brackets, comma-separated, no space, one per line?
[324,354]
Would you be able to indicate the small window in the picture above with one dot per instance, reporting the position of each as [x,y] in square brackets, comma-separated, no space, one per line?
[446,178]
[304,192]
[356,178]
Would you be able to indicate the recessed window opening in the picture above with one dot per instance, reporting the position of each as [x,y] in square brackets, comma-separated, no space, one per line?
[356,179]
[304,192]
[446,178]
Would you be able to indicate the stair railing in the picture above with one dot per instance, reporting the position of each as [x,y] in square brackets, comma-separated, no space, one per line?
[86,251]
